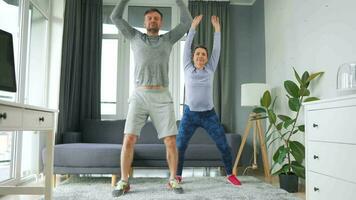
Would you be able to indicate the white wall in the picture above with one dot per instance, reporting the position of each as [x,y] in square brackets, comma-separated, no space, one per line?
[313,35]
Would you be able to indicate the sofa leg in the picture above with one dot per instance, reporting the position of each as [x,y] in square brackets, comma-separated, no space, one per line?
[222,171]
[113,180]
[206,171]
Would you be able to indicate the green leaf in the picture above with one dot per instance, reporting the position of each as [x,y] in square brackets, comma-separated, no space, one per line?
[304,92]
[298,169]
[279,126]
[284,117]
[301,128]
[311,99]
[284,170]
[259,110]
[305,77]
[266,99]
[295,131]
[313,76]
[297,77]
[294,104]
[280,154]
[288,123]
[297,150]
[258,118]
[291,88]
[272,117]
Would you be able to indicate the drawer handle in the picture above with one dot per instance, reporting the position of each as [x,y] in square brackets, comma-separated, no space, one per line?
[41,119]
[3,115]
[316,189]
[315,125]
[315,157]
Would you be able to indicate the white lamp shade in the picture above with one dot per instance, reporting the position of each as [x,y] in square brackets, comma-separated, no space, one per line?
[251,93]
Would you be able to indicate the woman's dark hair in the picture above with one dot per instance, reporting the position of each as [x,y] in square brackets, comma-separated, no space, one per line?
[151,10]
[202,47]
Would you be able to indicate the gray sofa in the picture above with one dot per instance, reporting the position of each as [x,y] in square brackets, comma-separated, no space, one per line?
[96,149]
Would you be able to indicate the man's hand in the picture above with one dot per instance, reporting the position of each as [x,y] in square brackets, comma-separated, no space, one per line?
[196,21]
[216,23]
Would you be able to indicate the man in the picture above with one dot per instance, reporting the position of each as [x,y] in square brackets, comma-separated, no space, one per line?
[151,96]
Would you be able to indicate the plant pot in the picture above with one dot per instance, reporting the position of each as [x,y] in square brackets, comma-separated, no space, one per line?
[288,182]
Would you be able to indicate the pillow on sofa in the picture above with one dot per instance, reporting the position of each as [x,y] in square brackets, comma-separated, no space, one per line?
[99,131]
[149,135]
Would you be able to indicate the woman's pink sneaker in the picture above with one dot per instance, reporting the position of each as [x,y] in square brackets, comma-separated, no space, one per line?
[233,180]
[179,179]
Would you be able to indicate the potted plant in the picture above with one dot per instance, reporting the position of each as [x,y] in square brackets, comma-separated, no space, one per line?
[290,154]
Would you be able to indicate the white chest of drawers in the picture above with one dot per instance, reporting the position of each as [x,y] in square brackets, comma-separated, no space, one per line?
[19,117]
[330,141]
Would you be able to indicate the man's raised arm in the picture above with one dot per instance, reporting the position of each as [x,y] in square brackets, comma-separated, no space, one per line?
[184,25]
[116,17]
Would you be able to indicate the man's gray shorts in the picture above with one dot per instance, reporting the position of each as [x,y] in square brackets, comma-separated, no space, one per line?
[156,103]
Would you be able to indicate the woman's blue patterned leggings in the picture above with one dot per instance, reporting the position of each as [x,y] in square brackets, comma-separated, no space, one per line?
[209,121]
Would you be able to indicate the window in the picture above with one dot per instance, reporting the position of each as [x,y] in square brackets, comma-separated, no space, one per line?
[109,58]
[108,76]
[37,57]
[6,155]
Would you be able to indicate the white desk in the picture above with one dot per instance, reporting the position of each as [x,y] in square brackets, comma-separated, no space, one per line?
[19,117]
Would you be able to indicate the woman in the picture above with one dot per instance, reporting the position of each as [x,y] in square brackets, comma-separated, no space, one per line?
[199,108]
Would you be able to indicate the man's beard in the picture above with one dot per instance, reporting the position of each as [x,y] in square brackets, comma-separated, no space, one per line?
[153,30]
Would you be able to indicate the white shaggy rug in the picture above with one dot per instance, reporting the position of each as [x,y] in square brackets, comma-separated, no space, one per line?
[196,188]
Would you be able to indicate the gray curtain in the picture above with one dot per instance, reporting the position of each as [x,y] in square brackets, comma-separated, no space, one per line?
[223,95]
[79,96]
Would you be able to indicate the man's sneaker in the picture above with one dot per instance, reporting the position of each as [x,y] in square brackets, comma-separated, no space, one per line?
[121,188]
[233,180]
[179,179]
[174,185]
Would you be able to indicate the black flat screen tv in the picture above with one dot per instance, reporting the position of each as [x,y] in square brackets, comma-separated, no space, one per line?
[7,63]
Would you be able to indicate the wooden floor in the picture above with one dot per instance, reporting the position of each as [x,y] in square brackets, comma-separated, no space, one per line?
[257,173]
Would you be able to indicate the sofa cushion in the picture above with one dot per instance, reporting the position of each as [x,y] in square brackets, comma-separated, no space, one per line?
[202,152]
[149,135]
[193,152]
[100,131]
[150,152]
[87,155]
[201,137]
